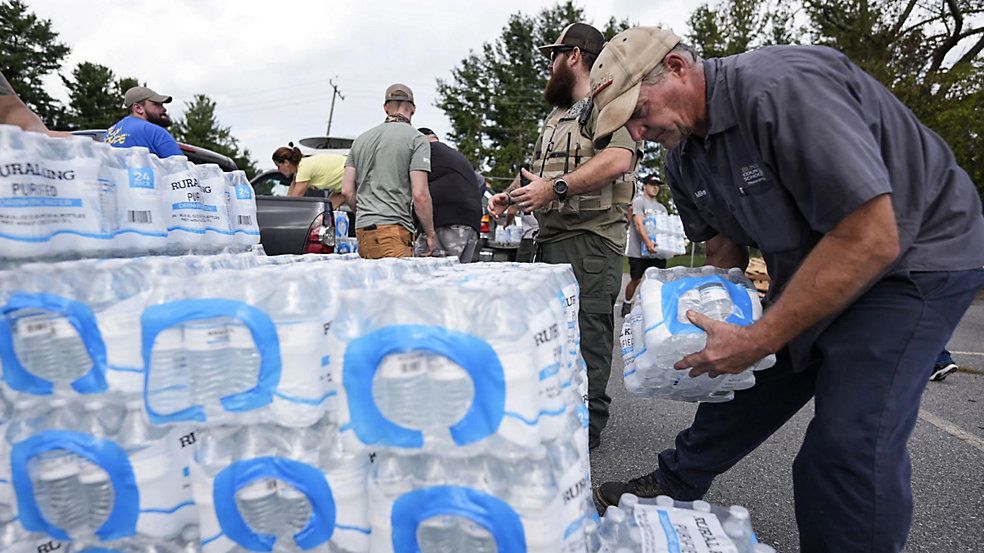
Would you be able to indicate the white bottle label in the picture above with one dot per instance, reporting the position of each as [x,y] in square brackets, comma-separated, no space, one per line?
[672,529]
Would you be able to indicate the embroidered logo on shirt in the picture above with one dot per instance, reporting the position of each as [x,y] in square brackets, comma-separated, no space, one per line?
[752,174]
[700,194]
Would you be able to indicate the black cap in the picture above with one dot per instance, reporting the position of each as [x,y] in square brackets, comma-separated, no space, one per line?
[426,132]
[651,178]
[582,35]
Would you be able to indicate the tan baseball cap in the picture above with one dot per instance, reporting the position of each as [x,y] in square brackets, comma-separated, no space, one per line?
[141,93]
[582,35]
[617,74]
[399,92]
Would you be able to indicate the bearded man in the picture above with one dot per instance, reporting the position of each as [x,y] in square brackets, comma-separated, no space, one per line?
[579,196]
[145,125]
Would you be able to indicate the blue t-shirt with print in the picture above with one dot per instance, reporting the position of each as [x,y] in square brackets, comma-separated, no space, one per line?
[133,131]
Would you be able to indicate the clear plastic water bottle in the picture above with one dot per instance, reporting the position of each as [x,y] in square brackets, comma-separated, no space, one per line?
[401,383]
[214,208]
[88,226]
[169,387]
[453,385]
[99,421]
[533,496]
[206,343]
[139,189]
[475,537]
[242,214]
[182,198]
[58,492]
[136,433]
[48,346]
[259,505]
[715,301]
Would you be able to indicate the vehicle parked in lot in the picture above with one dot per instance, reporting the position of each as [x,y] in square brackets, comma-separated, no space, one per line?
[195,154]
[296,225]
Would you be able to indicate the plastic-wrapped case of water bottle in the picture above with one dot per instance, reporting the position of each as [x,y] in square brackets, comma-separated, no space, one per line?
[234,402]
[75,197]
[657,333]
[666,231]
[662,525]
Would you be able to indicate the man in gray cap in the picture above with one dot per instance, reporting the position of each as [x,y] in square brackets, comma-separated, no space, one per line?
[146,125]
[385,177]
[863,217]
[580,195]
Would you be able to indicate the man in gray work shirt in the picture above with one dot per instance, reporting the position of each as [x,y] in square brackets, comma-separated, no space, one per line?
[863,217]
[385,177]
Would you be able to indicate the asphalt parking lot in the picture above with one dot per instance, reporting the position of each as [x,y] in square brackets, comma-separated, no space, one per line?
[947,450]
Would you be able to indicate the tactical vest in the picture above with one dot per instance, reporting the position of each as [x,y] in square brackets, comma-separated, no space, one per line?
[564,144]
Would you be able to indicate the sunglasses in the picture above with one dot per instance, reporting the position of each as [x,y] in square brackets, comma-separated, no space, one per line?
[564,50]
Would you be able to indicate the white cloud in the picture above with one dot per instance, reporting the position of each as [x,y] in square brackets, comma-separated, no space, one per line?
[268,64]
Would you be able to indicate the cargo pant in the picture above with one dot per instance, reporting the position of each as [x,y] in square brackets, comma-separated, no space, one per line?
[598,271]
[376,242]
[851,477]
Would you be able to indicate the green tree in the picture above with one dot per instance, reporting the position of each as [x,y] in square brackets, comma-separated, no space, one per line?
[95,96]
[200,126]
[494,97]
[29,50]
[927,53]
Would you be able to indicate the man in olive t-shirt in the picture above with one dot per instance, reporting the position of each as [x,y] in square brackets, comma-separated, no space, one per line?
[386,176]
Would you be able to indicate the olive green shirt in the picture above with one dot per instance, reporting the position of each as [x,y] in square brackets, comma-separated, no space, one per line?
[383,157]
[609,224]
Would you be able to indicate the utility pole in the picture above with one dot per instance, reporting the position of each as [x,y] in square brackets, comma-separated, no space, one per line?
[331,113]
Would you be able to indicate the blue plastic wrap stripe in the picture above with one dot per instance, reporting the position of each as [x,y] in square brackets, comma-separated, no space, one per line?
[209,540]
[629,373]
[539,415]
[304,400]
[360,529]
[49,236]
[174,509]
[123,369]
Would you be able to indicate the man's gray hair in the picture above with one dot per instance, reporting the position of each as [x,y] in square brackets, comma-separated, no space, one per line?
[658,73]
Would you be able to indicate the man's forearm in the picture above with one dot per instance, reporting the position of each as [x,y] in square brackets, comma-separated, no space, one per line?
[14,112]
[840,267]
[425,213]
[725,254]
[599,171]
[640,228]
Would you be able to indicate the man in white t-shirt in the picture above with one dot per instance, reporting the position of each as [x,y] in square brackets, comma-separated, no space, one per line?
[640,249]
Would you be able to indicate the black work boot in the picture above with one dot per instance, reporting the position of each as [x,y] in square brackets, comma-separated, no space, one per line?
[610,492]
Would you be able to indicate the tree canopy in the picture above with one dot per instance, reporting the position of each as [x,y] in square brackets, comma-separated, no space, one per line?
[95,97]
[494,98]
[30,50]
[201,127]
[927,53]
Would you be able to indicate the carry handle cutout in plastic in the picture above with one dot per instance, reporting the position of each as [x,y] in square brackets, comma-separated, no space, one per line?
[741,315]
[80,317]
[122,520]
[413,508]
[306,479]
[157,318]
[364,355]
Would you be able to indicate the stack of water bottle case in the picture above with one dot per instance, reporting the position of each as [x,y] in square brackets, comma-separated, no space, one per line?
[75,197]
[267,385]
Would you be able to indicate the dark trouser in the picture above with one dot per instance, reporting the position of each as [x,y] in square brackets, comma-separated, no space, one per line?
[598,271]
[943,359]
[851,478]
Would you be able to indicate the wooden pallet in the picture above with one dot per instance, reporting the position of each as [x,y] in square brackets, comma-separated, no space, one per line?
[758,274]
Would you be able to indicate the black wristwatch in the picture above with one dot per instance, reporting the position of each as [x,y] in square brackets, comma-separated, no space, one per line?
[560,188]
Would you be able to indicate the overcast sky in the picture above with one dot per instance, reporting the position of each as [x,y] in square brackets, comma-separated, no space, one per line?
[267,64]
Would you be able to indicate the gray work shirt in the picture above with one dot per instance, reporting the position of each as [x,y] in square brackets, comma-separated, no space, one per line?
[799,138]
